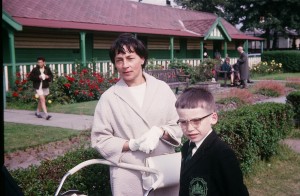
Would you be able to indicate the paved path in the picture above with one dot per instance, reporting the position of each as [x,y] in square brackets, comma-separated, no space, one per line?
[69,121]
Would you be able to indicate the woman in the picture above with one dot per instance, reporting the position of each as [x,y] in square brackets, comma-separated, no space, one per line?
[134,119]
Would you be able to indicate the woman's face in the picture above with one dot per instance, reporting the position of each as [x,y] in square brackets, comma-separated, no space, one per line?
[129,66]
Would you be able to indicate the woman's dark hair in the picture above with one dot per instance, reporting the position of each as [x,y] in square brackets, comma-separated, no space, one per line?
[196,97]
[132,44]
[41,59]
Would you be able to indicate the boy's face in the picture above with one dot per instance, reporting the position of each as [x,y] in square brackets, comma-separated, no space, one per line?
[196,123]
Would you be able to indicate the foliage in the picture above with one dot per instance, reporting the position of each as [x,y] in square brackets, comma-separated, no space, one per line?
[290,59]
[204,71]
[293,99]
[269,88]
[254,131]
[293,83]
[23,90]
[44,179]
[81,85]
[184,67]
[265,67]
[272,16]
[151,65]
[238,96]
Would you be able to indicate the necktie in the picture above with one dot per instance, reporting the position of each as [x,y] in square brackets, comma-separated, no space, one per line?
[190,151]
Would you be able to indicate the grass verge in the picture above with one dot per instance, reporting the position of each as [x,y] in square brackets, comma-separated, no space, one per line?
[279,176]
[277,76]
[21,136]
[83,108]
[295,134]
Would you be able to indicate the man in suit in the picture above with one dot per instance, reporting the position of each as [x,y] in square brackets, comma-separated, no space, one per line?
[243,67]
[209,166]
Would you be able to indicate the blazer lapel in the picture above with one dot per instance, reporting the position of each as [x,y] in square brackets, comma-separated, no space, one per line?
[200,152]
[122,91]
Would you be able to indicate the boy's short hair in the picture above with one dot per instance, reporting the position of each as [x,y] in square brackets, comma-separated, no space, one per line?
[41,59]
[132,44]
[195,97]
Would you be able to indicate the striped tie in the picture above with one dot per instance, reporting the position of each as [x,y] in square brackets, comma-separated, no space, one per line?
[190,151]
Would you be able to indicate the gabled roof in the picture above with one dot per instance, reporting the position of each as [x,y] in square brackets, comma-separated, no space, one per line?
[10,21]
[218,24]
[112,16]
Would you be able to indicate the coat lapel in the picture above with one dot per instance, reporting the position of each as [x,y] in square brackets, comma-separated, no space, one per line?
[200,152]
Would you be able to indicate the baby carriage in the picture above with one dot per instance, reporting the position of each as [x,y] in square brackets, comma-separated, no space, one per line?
[159,175]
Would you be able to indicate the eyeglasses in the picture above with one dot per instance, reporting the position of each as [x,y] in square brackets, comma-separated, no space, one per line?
[195,122]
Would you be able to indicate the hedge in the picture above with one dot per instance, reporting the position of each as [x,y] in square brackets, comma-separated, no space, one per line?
[290,59]
[44,179]
[253,132]
[293,98]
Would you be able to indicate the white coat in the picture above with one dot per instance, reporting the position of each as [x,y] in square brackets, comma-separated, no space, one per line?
[118,118]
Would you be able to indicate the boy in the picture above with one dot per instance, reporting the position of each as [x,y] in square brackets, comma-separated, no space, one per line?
[209,166]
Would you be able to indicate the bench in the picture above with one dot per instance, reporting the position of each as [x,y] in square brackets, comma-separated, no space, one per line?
[175,78]
[219,74]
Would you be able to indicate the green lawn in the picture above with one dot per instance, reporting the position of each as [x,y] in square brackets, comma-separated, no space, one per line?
[279,176]
[22,136]
[84,108]
[278,76]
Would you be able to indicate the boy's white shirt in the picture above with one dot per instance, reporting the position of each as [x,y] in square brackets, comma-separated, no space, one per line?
[198,144]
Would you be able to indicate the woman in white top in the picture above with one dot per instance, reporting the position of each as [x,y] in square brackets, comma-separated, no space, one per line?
[134,119]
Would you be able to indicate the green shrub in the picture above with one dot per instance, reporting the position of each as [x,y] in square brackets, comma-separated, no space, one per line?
[44,179]
[187,68]
[204,71]
[290,59]
[293,99]
[254,131]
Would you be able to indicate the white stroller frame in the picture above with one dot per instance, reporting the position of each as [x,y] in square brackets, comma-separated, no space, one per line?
[121,165]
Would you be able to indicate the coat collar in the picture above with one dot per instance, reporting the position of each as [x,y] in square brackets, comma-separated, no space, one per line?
[200,151]
[122,91]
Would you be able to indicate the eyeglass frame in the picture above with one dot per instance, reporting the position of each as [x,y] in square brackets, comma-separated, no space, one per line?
[192,120]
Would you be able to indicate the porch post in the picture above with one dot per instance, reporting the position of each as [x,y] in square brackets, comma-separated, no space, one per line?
[4,89]
[225,49]
[246,46]
[261,47]
[11,38]
[201,50]
[82,48]
[172,48]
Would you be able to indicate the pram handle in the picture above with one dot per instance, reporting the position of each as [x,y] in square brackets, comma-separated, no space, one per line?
[121,165]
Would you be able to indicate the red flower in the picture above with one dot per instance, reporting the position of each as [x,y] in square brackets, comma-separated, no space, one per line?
[114,80]
[15,94]
[84,71]
[17,81]
[18,74]
[76,92]
[70,79]
[67,85]
[91,94]
[24,81]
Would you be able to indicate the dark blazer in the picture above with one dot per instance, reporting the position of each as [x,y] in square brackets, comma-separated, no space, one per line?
[34,77]
[213,170]
[243,66]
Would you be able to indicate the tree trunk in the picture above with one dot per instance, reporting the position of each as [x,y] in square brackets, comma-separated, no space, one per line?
[268,38]
[275,39]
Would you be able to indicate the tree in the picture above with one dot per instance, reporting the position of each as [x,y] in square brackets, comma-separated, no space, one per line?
[272,16]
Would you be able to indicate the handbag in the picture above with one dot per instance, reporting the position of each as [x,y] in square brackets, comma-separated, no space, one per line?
[169,166]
